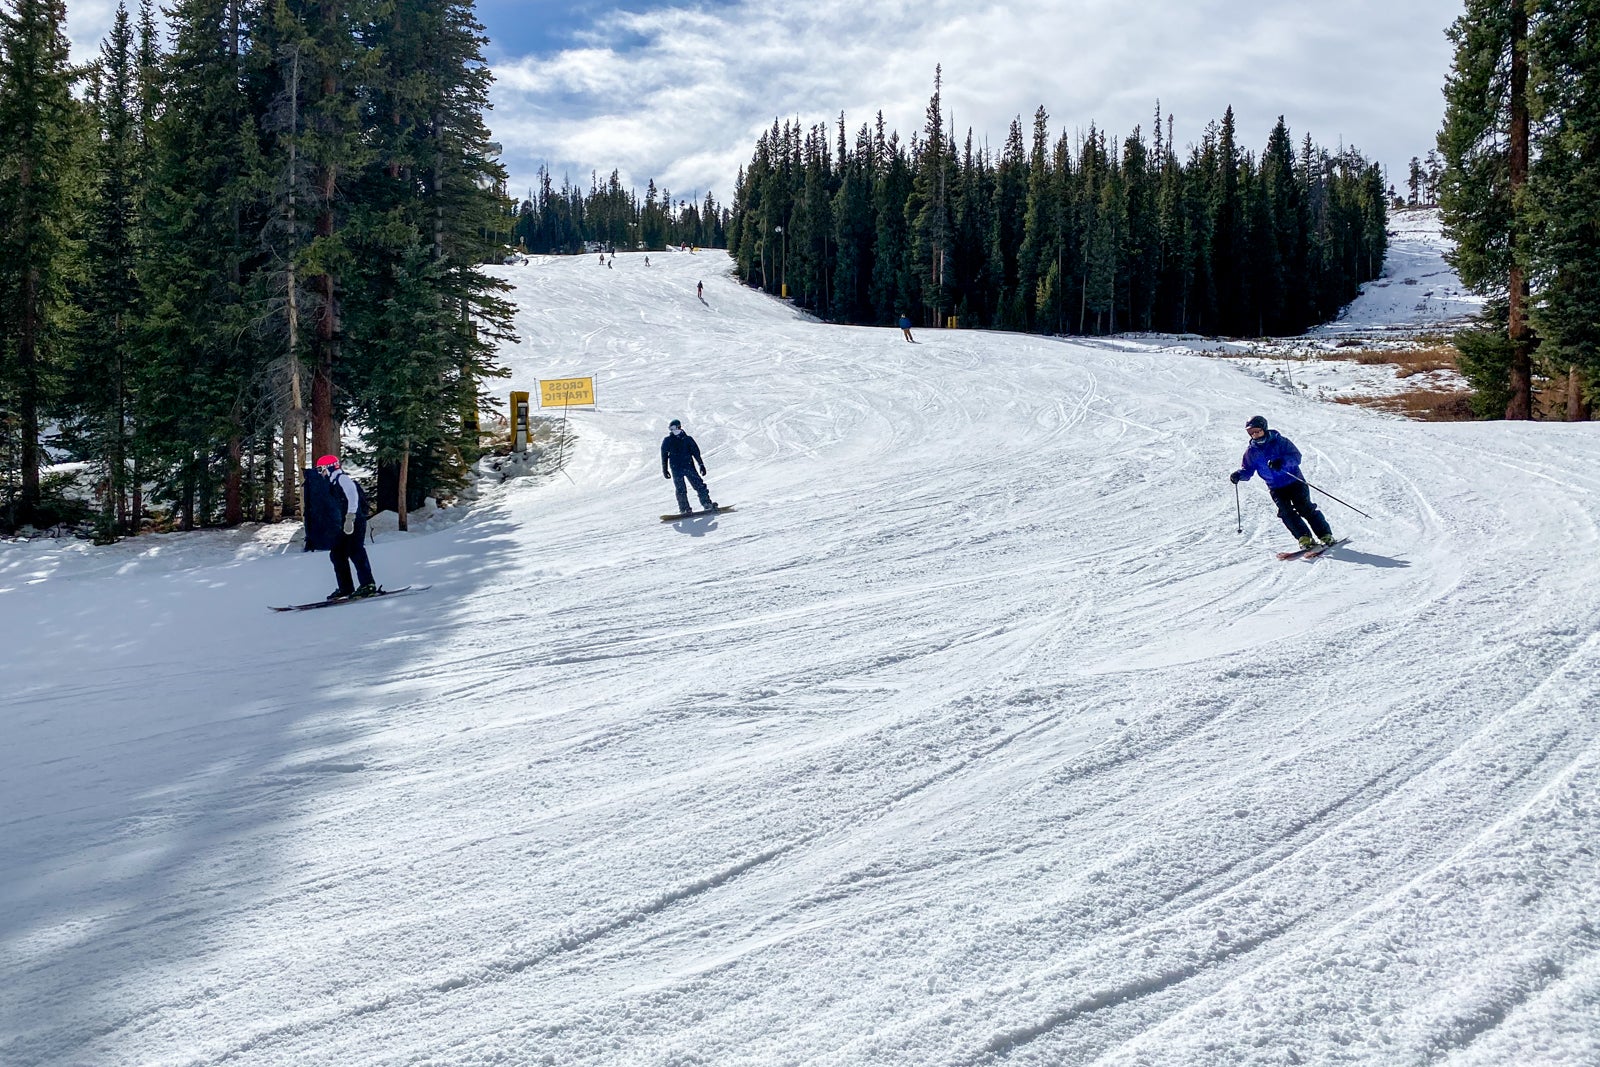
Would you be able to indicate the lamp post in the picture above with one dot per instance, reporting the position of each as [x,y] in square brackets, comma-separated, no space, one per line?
[783,270]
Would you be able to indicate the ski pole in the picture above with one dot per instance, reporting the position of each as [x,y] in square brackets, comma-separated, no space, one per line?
[1330,496]
[1238,512]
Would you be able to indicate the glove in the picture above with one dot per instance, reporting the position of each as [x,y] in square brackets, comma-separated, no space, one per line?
[702,469]
[664,474]
[349,524]
[1234,477]
[1276,465]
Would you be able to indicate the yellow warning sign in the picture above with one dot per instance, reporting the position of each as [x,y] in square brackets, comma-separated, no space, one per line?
[566,392]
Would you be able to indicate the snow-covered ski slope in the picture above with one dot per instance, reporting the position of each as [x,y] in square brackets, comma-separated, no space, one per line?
[977,735]
[1417,291]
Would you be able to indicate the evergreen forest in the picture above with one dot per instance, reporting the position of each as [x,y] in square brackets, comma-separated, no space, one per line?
[1056,234]
[1520,195]
[608,216]
[254,237]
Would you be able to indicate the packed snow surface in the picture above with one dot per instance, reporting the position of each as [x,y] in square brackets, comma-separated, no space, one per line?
[976,735]
[1417,289]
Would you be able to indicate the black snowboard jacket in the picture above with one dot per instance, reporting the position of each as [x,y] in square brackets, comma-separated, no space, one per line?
[325,508]
[680,453]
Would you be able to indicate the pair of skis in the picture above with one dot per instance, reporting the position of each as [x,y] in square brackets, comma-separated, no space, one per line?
[336,601]
[1314,551]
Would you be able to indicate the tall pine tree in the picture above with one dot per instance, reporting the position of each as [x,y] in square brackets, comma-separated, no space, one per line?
[39,139]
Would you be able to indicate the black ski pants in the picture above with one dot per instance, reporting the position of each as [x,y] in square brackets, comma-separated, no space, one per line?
[1296,510]
[352,548]
[678,478]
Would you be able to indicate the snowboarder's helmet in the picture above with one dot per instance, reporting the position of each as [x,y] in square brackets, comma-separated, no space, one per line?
[673,423]
[328,461]
[1257,422]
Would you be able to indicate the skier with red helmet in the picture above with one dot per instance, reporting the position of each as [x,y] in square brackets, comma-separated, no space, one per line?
[336,519]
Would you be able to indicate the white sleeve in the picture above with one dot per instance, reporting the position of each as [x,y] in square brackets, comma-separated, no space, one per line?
[353,498]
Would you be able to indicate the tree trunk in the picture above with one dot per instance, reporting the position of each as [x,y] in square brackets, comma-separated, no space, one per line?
[405,473]
[1521,404]
[1577,407]
[28,399]
[294,424]
[291,472]
[233,484]
[266,477]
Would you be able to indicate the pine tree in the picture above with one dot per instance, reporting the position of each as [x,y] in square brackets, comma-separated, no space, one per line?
[1564,189]
[1485,149]
[423,319]
[930,209]
[39,135]
[1005,240]
[201,354]
[100,400]
[855,229]
[894,288]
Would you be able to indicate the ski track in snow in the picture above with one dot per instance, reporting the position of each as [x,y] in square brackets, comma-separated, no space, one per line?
[977,735]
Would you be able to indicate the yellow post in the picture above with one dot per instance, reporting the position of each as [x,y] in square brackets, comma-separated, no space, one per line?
[785,289]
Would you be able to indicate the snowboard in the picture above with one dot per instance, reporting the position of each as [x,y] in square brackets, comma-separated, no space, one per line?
[404,590]
[719,509]
[1314,552]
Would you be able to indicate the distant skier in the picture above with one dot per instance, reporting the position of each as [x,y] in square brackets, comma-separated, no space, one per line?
[647,261]
[1274,457]
[336,519]
[905,328]
[700,291]
[679,457]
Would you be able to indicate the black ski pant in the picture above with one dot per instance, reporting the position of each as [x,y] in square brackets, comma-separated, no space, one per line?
[352,548]
[678,478]
[1296,510]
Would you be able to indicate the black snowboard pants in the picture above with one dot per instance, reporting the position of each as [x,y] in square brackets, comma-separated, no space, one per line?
[1296,510]
[352,548]
[678,477]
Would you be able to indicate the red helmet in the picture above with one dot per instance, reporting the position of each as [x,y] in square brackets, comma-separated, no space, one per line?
[328,461]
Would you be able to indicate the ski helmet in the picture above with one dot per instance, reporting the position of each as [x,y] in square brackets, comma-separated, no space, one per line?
[328,461]
[1258,422]
[673,423]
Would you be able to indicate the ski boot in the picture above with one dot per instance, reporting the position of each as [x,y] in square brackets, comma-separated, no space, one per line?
[1307,544]
[364,590]
[1328,538]
[340,594]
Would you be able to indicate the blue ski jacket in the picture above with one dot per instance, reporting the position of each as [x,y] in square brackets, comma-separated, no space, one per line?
[1262,451]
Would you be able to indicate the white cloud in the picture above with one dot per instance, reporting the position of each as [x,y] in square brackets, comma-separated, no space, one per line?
[683,101]
[680,93]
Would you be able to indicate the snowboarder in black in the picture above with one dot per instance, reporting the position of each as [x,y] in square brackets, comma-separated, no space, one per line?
[679,457]
[336,519]
[1274,457]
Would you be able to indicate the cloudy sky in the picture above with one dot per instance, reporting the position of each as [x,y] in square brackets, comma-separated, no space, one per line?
[678,91]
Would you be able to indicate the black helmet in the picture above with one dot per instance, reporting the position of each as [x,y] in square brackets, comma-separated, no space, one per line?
[673,423]
[1258,422]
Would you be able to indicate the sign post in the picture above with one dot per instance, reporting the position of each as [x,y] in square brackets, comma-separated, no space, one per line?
[565,393]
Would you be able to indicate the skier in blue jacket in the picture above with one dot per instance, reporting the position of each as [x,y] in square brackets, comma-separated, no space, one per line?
[679,456]
[1274,457]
